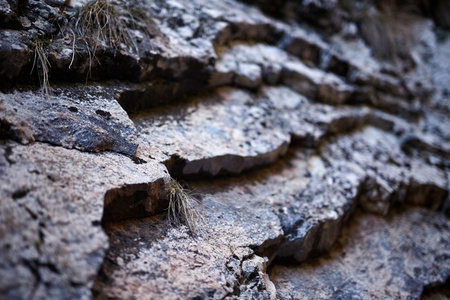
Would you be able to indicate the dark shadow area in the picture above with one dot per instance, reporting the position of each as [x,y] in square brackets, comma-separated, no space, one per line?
[126,240]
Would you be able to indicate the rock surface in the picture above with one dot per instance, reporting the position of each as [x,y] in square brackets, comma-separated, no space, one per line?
[307,111]
[394,257]
[235,138]
[53,201]
[83,117]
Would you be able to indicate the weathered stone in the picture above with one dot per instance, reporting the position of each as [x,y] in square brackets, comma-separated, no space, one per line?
[309,122]
[219,262]
[248,65]
[314,213]
[310,197]
[305,45]
[8,16]
[224,71]
[324,14]
[327,101]
[85,118]
[203,137]
[15,56]
[392,257]
[392,176]
[425,143]
[281,112]
[52,204]
[248,75]
[315,83]
[346,174]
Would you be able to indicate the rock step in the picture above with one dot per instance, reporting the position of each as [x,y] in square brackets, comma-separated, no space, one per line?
[53,201]
[250,66]
[224,133]
[179,59]
[230,131]
[387,257]
[56,199]
[392,176]
[291,211]
[83,117]
[200,138]
[165,260]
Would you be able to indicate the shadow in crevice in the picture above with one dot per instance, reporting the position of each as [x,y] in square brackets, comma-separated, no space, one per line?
[135,201]
[437,291]
[126,241]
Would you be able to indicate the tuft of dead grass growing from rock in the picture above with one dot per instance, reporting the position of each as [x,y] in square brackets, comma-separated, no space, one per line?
[181,210]
[111,24]
[42,65]
[97,25]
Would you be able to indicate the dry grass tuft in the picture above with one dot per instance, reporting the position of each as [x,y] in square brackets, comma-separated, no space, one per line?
[106,23]
[98,24]
[42,66]
[102,24]
[378,33]
[181,208]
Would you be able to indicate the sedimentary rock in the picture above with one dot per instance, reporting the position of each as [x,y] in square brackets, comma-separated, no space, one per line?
[304,119]
[83,117]
[218,146]
[378,257]
[53,201]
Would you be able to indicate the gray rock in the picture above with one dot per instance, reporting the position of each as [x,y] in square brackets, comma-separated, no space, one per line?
[248,75]
[346,175]
[8,16]
[303,44]
[203,139]
[16,56]
[53,203]
[298,206]
[325,14]
[248,65]
[244,64]
[393,257]
[85,118]
[392,176]
[315,84]
[327,100]
[218,263]
[224,72]
[309,122]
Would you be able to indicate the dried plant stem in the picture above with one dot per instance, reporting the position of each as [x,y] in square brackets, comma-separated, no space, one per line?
[103,21]
[181,209]
[42,66]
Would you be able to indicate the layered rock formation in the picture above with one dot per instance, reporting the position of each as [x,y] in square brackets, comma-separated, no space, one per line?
[314,137]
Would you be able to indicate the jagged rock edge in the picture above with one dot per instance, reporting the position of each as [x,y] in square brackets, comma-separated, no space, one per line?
[318,232]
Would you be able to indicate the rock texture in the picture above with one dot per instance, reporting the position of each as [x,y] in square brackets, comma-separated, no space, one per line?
[235,138]
[314,137]
[83,117]
[53,202]
[393,257]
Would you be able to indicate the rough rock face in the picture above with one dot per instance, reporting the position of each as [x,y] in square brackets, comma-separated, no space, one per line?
[85,118]
[218,146]
[318,136]
[392,257]
[53,202]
